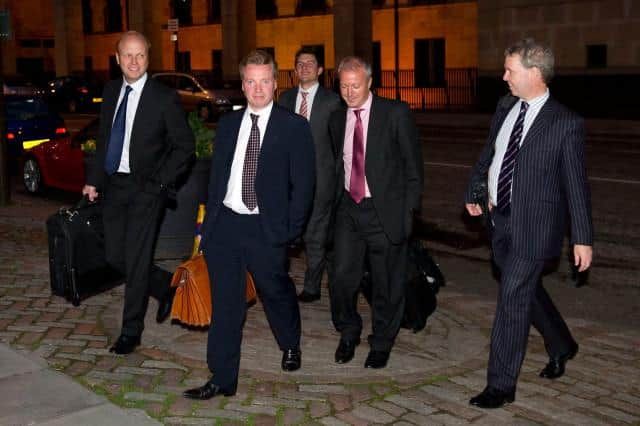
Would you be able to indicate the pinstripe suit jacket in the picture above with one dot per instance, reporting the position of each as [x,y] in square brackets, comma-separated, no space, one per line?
[549,182]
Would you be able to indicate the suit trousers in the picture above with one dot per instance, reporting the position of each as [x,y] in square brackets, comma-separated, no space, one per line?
[315,242]
[238,244]
[522,302]
[359,232]
[131,219]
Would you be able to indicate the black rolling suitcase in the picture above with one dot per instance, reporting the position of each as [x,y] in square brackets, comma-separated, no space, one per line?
[77,264]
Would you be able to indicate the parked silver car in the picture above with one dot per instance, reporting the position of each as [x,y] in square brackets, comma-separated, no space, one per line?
[192,92]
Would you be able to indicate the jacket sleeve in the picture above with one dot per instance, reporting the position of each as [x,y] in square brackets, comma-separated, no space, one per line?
[411,146]
[302,166]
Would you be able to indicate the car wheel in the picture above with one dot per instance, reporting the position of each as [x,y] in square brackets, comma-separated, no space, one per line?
[32,176]
[72,106]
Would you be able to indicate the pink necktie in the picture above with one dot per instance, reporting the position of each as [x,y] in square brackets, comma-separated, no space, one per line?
[356,182]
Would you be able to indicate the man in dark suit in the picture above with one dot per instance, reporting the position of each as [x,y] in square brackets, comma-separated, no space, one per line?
[380,178]
[315,103]
[534,164]
[144,146]
[260,194]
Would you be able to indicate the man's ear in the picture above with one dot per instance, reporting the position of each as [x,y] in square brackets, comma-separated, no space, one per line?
[117,58]
[320,70]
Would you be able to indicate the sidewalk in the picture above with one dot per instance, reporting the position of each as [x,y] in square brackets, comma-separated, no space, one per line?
[429,379]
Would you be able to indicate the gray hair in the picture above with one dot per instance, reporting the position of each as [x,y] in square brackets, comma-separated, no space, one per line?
[259,57]
[534,54]
[354,63]
[133,34]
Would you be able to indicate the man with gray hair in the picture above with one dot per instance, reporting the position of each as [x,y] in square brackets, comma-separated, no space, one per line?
[379,169]
[534,165]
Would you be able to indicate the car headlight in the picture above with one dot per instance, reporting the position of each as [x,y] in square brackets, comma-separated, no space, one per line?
[222,101]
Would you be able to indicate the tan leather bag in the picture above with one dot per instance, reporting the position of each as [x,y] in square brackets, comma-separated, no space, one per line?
[192,302]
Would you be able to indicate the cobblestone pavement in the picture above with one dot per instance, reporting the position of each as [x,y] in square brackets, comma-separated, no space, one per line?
[429,379]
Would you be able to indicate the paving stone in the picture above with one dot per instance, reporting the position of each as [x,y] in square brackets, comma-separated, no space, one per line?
[275,402]
[77,357]
[446,419]
[54,324]
[616,414]
[303,396]
[89,337]
[139,370]
[141,396]
[390,408]
[628,398]
[163,365]
[195,421]
[332,421]
[526,388]
[332,389]
[292,416]
[416,419]
[253,409]
[225,414]
[351,419]
[112,377]
[372,414]
[340,402]
[574,401]
[27,328]
[410,404]
[443,393]
[99,351]
[64,342]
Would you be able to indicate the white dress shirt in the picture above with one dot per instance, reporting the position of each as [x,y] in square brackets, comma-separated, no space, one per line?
[233,198]
[504,134]
[132,107]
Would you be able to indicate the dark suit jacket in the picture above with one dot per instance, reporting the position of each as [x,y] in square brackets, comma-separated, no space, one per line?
[284,180]
[162,146]
[549,181]
[393,163]
[324,103]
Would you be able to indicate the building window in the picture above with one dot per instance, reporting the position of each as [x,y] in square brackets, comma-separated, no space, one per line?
[311,7]
[181,10]
[88,64]
[597,56]
[48,43]
[378,4]
[216,65]
[429,62]
[114,69]
[376,64]
[87,17]
[184,62]
[113,17]
[30,42]
[214,15]
[266,9]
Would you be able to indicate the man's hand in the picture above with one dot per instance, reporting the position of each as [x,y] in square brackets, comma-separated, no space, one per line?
[474,209]
[90,192]
[582,255]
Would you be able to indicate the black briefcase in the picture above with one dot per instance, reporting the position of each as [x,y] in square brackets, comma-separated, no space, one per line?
[77,264]
[424,280]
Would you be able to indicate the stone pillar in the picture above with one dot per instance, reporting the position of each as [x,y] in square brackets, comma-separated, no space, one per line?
[352,29]
[238,34]
[69,37]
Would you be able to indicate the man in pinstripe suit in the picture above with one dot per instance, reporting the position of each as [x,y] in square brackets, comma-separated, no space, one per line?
[534,164]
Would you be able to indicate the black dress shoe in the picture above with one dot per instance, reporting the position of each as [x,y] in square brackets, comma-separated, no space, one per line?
[291,359]
[164,308]
[555,367]
[346,350]
[306,297]
[125,344]
[492,398]
[376,359]
[208,391]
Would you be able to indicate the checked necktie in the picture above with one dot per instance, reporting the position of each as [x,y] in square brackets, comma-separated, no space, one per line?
[509,161]
[116,139]
[304,107]
[357,179]
[250,167]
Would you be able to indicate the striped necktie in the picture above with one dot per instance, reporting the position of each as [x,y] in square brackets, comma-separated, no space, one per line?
[304,107]
[509,161]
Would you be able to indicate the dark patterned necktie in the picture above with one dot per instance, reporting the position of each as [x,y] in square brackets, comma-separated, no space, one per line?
[304,107]
[116,139]
[357,179]
[250,167]
[509,161]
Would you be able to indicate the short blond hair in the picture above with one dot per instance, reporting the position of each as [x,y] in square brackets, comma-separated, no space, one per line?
[259,57]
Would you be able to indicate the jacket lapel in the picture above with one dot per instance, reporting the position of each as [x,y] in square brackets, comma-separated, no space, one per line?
[144,104]
[375,127]
[543,119]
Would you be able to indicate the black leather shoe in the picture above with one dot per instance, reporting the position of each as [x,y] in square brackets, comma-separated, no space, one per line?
[291,359]
[306,297]
[208,391]
[346,350]
[492,398]
[125,344]
[164,309]
[555,367]
[376,359]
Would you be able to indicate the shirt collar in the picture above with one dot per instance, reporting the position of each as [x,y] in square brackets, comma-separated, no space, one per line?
[137,85]
[264,112]
[311,90]
[538,100]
